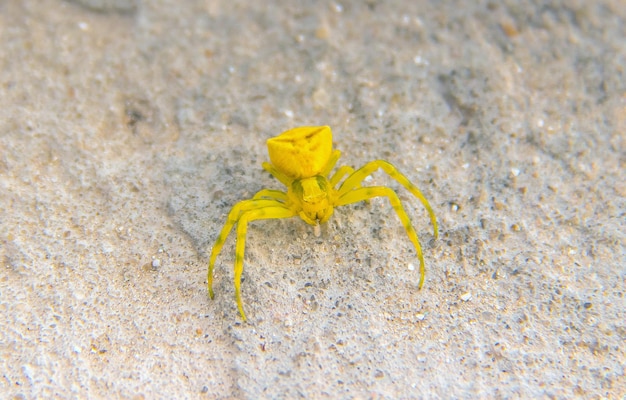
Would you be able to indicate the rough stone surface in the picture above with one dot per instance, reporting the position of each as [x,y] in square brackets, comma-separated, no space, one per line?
[128,130]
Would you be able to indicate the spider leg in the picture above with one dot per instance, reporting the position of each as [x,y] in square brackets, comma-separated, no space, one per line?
[269,194]
[271,212]
[330,164]
[233,216]
[284,179]
[367,193]
[339,174]
[354,181]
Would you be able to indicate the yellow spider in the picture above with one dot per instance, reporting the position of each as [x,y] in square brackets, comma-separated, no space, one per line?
[302,159]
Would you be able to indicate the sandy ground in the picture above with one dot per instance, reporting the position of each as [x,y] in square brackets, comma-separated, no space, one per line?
[129,129]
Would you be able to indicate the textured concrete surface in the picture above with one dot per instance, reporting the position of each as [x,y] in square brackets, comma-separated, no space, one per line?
[129,129]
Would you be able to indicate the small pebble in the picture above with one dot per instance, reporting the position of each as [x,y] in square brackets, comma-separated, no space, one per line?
[466,296]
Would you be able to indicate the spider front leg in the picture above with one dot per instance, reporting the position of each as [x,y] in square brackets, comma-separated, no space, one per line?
[354,181]
[274,212]
[233,216]
[271,194]
[339,174]
[367,193]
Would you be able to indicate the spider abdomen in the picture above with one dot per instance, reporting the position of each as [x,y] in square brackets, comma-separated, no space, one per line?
[301,152]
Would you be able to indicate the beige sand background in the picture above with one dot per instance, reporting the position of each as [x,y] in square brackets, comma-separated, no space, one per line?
[129,129]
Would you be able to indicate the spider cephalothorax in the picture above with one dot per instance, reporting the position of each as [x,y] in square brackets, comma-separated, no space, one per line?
[302,159]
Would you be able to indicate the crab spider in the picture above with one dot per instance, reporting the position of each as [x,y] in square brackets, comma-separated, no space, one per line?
[302,159]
